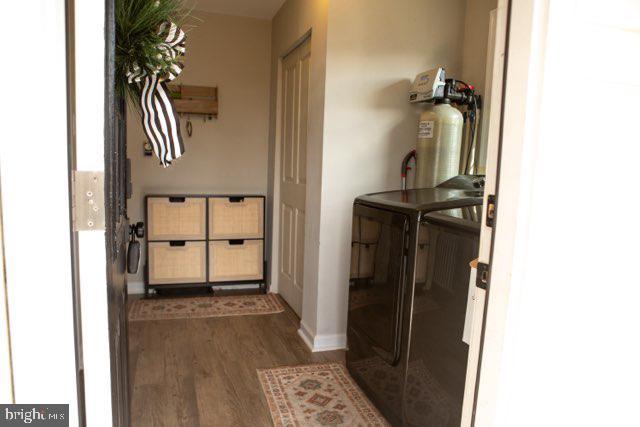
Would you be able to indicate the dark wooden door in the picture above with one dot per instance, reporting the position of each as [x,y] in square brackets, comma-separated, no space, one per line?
[117,231]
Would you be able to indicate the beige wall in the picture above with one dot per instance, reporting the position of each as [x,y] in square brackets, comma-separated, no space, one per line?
[364,57]
[227,154]
[374,51]
[474,50]
[295,20]
[474,64]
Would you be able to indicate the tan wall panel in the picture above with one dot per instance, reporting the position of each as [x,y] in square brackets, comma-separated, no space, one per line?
[226,155]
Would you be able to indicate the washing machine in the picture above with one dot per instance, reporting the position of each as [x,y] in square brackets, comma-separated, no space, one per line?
[408,295]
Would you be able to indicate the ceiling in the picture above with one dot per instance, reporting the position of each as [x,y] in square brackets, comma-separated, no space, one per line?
[265,9]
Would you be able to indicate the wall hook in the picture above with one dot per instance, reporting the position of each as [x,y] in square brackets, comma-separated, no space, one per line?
[189,126]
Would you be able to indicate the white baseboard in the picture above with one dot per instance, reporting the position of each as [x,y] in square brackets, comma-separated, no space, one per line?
[325,342]
[135,288]
[306,335]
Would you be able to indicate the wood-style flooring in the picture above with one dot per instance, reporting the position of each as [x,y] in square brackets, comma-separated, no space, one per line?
[202,372]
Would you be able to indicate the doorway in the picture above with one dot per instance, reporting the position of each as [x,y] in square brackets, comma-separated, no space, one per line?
[191,355]
[292,141]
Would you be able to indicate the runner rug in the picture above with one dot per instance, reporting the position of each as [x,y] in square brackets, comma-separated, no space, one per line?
[199,307]
[316,395]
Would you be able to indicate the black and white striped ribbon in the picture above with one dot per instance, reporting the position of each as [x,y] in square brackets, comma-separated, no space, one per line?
[160,121]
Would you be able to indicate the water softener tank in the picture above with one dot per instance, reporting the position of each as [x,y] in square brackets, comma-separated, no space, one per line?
[439,145]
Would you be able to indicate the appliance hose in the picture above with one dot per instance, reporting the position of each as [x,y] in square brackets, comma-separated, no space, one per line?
[473,109]
[405,167]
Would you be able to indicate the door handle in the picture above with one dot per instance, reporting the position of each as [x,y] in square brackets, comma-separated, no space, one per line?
[133,250]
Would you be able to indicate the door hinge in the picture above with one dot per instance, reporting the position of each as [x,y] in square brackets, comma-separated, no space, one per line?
[491,210]
[87,200]
[482,276]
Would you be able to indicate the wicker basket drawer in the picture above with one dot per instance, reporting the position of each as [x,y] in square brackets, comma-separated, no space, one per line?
[236,218]
[177,262]
[176,218]
[231,260]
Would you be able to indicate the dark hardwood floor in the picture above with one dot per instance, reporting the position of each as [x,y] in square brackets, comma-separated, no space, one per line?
[202,372]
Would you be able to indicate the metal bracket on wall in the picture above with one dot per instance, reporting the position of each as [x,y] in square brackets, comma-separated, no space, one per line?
[482,276]
[88,200]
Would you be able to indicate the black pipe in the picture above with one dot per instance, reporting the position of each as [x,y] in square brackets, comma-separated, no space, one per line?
[405,167]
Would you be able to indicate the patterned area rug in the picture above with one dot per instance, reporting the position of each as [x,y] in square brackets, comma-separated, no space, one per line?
[198,307]
[426,402]
[316,395]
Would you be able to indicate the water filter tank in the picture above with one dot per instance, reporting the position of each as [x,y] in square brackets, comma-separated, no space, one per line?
[439,145]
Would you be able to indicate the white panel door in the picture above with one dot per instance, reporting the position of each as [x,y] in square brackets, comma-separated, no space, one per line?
[293,173]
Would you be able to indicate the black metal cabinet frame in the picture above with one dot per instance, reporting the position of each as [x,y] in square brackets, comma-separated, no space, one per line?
[207,283]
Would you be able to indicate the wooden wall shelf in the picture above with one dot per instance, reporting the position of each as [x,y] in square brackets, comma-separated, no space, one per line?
[195,99]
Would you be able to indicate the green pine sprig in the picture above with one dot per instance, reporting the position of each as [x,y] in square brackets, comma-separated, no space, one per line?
[137,38]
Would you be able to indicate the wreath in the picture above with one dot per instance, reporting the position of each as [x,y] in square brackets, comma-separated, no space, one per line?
[149,48]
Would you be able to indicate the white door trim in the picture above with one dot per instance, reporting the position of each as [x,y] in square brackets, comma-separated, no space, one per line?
[498,35]
[277,164]
[6,370]
[561,342]
[275,216]
[35,209]
[293,177]
[90,71]
[525,55]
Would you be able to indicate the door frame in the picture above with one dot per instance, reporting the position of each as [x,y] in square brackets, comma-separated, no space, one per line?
[39,300]
[94,28]
[277,170]
[494,141]
[524,58]
[73,235]
[116,233]
[7,389]
[520,79]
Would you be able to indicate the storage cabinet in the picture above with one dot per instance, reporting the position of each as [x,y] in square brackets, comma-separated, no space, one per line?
[204,240]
